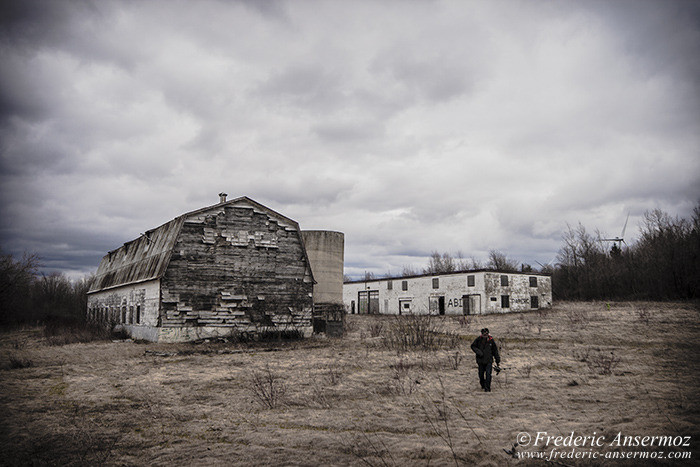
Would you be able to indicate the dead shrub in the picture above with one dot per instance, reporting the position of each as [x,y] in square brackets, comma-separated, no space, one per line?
[578,316]
[410,332]
[18,361]
[463,321]
[267,388]
[454,360]
[604,363]
[71,332]
[643,313]
[581,355]
[525,371]
[375,328]
[350,325]
[333,375]
[404,381]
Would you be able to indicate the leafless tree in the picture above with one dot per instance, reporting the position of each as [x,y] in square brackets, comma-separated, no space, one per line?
[500,262]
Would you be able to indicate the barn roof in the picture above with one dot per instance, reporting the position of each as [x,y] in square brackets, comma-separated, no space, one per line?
[147,257]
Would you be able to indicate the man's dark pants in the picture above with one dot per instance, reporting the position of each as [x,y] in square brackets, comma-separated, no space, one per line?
[485,375]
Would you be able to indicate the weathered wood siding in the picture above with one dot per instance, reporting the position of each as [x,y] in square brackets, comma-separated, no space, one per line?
[240,268]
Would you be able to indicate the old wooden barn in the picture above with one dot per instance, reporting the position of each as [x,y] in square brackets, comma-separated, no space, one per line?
[233,267]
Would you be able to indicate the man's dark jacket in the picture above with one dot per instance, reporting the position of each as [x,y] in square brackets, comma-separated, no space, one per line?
[486,350]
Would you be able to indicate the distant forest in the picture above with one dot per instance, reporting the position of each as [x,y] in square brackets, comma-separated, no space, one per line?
[663,264]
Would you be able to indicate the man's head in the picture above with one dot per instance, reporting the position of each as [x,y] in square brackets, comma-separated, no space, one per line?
[485,332]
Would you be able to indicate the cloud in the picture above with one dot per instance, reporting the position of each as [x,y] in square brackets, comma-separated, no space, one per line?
[410,126]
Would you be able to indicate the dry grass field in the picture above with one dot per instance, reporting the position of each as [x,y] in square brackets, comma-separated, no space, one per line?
[595,369]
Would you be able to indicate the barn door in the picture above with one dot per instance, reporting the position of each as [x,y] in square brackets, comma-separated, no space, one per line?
[362,302]
[471,304]
[475,304]
[374,302]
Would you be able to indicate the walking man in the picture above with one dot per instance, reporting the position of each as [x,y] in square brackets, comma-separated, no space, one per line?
[486,352]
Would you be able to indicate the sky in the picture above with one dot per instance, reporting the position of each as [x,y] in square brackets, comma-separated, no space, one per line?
[411,126]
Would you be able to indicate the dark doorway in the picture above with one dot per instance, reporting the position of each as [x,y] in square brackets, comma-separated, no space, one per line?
[441,305]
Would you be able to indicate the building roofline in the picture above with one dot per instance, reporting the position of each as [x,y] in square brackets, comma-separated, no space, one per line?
[464,271]
[181,219]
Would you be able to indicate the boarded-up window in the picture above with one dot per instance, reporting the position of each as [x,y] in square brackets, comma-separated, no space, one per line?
[470,281]
[534,301]
[436,283]
[533,282]
[389,285]
[504,280]
[505,301]
[404,285]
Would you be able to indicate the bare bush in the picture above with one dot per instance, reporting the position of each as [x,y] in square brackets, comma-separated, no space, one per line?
[578,316]
[463,321]
[71,332]
[333,375]
[410,332]
[267,388]
[375,328]
[604,363]
[526,370]
[454,360]
[643,314]
[18,361]
[404,381]
[581,354]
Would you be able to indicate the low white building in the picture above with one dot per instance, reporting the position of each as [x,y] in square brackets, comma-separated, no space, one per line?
[466,292]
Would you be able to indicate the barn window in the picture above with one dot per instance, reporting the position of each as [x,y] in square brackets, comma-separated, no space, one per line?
[436,282]
[123,315]
[505,301]
[404,285]
[389,285]
[534,301]
[470,280]
[533,282]
[131,314]
[504,280]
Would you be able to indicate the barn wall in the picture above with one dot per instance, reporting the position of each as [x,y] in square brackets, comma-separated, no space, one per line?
[235,268]
[125,305]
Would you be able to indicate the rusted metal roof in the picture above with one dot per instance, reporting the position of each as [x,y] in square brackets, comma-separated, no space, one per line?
[147,257]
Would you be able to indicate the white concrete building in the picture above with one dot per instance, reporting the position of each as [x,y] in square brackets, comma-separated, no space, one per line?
[465,292]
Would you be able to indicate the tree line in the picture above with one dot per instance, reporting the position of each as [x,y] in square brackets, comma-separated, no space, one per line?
[663,264]
[26,296]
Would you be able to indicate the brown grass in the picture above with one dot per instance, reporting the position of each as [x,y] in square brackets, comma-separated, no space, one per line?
[356,400]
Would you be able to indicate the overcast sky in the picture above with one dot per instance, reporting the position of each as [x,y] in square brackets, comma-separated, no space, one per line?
[411,126]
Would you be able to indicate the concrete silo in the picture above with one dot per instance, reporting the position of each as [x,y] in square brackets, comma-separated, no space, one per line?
[325,250]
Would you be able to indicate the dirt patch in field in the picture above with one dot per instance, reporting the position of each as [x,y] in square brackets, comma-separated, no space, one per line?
[594,369]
